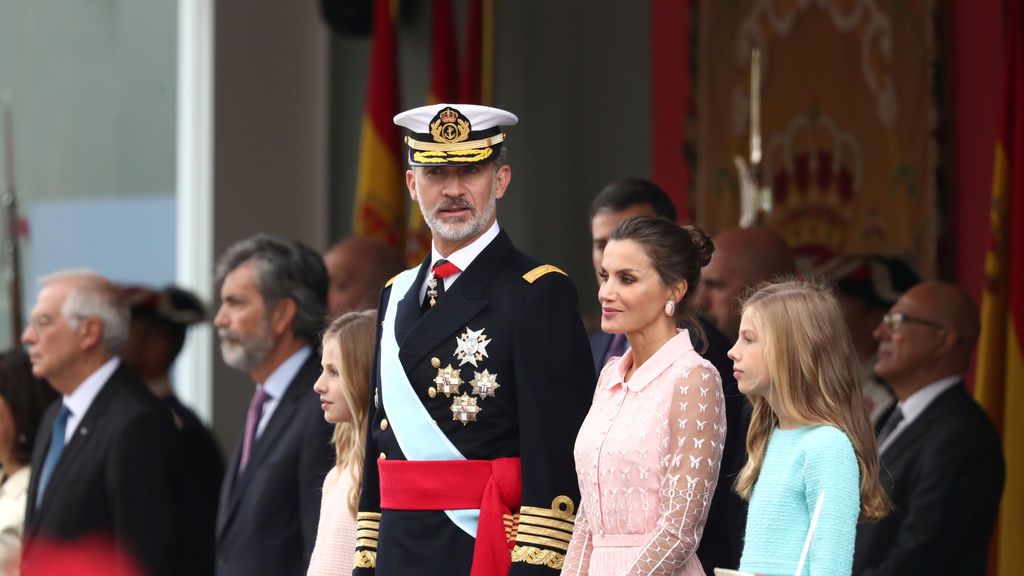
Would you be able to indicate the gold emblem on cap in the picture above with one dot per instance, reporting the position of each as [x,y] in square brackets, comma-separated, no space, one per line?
[464,409]
[484,384]
[450,126]
[448,380]
[435,362]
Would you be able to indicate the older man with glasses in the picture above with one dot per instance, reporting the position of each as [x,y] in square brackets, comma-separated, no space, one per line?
[942,464]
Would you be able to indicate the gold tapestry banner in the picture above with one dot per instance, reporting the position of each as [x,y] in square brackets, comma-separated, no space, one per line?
[848,121]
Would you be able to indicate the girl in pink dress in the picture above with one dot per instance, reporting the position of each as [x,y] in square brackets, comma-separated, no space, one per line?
[344,394]
[648,453]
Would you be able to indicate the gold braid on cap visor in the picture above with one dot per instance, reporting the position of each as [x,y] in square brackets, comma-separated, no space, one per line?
[439,157]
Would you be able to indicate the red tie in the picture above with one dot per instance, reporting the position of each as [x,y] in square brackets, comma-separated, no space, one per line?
[435,288]
[443,269]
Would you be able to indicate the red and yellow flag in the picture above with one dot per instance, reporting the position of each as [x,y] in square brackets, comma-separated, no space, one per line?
[999,383]
[476,82]
[444,72]
[380,188]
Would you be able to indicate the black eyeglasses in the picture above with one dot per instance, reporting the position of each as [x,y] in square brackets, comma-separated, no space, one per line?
[894,321]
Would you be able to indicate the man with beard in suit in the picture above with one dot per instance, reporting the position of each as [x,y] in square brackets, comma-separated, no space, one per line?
[941,461]
[482,379]
[273,302]
[105,464]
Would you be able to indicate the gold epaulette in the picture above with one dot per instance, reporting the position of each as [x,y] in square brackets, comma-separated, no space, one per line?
[539,271]
[367,529]
[549,530]
[389,282]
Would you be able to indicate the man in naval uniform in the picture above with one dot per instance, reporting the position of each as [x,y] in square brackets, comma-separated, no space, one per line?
[482,379]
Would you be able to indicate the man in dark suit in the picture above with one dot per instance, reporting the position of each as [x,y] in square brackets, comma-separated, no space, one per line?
[722,542]
[273,298]
[105,462]
[482,380]
[159,324]
[941,461]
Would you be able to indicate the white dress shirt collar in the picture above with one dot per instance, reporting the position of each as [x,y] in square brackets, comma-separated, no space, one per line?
[461,258]
[78,402]
[277,384]
[916,403]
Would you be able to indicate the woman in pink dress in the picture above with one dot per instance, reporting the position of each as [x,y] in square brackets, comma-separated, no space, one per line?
[344,395]
[648,454]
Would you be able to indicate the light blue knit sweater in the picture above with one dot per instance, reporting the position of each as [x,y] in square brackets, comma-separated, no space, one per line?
[798,465]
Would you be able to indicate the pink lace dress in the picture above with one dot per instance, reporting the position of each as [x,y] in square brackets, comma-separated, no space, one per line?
[647,458]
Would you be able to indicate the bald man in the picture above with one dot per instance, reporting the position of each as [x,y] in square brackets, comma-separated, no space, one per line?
[743,257]
[942,464]
[358,267]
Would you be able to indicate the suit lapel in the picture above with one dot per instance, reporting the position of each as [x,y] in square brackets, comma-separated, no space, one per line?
[227,491]
[901,445]
[80,439]
[458,305]
[408,313]
[284,415]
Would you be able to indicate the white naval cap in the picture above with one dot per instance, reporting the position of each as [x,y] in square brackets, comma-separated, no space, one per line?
[454,134]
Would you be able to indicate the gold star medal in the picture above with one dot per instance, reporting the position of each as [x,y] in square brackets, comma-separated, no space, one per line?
[484,384]
[464,409]
[472,346]
[448,380]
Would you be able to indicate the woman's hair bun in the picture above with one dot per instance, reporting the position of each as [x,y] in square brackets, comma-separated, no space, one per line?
[705,247]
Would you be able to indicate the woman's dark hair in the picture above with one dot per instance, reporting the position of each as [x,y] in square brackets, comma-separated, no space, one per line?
[27,398]
[678,252]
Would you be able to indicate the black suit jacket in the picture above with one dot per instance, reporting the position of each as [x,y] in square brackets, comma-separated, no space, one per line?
[722,541]
[117,477]
[268,515]
[944,474]
[538,350]
[202,475]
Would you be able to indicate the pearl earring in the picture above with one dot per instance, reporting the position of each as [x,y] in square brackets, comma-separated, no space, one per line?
[670,308]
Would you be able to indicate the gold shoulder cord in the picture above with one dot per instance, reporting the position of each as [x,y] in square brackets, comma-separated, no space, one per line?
[539,271]
[548,527]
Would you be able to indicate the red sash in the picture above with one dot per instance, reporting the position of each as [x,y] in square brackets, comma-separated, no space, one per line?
[493,486]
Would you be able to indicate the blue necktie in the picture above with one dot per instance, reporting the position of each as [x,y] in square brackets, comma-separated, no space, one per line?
[60,426]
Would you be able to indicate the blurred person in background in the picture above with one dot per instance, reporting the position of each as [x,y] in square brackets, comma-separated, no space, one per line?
[23,399]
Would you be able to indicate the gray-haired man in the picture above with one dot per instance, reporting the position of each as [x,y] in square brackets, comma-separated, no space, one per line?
[273,298]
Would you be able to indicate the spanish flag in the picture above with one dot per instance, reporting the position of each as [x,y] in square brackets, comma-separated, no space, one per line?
[380,188]
[444,72]
[476,82]
[999,382]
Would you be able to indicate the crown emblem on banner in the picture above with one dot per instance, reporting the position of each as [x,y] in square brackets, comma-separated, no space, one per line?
[813,200]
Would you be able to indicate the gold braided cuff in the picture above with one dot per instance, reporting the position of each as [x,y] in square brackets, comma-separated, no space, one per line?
[364,559]
[538,557]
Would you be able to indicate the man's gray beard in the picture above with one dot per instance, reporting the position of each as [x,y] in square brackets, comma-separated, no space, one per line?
[247,353]
[456,231]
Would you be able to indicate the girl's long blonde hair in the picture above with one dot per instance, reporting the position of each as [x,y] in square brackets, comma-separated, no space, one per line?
[814,380]
[354,333]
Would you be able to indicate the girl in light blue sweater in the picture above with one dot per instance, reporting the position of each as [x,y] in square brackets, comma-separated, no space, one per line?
[809,440]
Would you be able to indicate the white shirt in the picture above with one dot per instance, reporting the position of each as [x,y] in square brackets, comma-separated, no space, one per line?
[915,405]
[461,258]
[78,402]
[277,384]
